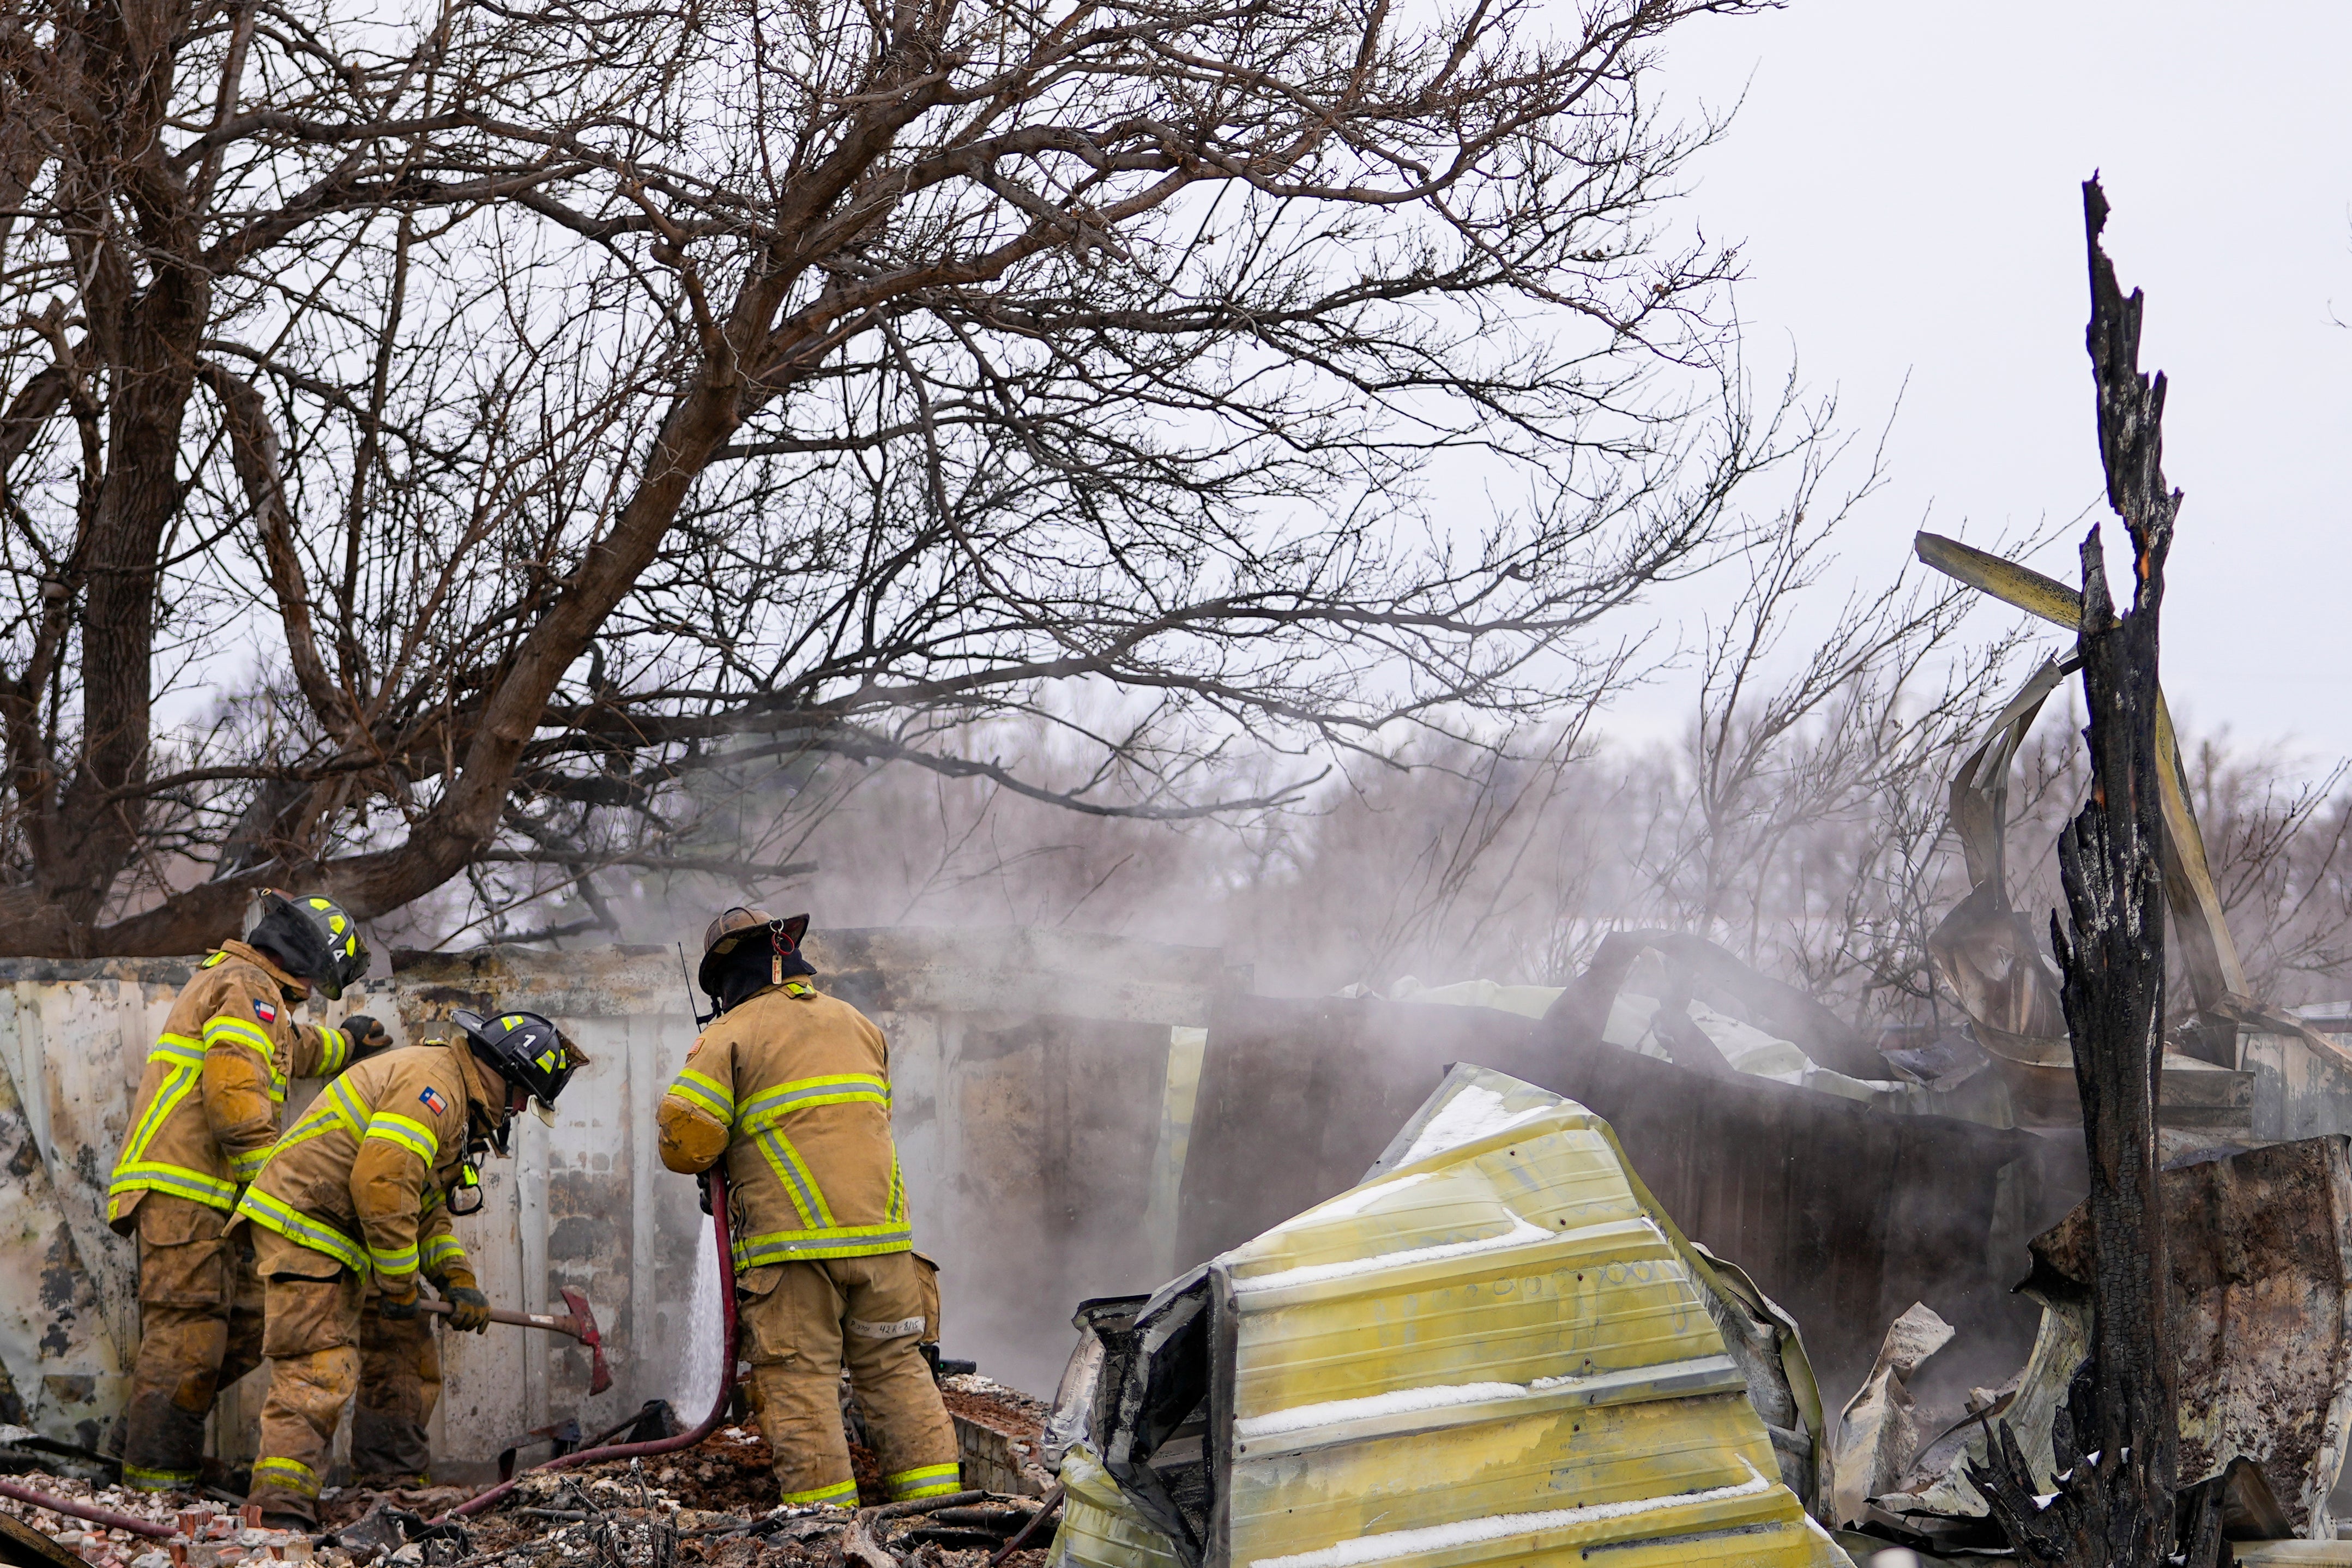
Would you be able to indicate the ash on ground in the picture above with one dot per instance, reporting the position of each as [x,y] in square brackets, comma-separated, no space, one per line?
[633,1514]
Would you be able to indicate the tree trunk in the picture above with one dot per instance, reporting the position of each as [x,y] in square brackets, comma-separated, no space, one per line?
[2118,1444]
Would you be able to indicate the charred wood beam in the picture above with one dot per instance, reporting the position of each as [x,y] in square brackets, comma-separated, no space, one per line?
[2115,1502]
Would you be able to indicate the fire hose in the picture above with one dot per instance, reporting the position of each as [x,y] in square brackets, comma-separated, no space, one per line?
[95,1515]
[710,1423]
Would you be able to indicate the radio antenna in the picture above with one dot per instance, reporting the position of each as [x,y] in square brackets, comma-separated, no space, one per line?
[701,1019]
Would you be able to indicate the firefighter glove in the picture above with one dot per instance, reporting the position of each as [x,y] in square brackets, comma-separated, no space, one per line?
[399,1307]
[367,1036]
[469,1309]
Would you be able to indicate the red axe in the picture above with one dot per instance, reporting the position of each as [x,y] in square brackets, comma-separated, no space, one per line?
[580,1325]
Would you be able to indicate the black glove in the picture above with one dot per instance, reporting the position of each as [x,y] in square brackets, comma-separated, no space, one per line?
[367,1036]
[702,1184]
[398,1309]
[469,1309]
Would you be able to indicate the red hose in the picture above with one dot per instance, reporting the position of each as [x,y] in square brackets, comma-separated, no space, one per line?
[726,1375]
[105,1516]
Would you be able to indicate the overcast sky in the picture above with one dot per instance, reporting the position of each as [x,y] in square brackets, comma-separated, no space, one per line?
[1906,180]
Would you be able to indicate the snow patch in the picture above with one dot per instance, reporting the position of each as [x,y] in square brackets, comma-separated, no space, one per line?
[1400,1402]
[1473,1114]
[1521,1234]
[1356,1200]
[1499,1527]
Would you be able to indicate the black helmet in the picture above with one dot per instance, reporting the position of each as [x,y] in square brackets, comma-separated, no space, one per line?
[312,938]
[523,1048]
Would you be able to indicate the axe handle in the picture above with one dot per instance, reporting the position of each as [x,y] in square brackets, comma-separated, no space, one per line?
[563,1325]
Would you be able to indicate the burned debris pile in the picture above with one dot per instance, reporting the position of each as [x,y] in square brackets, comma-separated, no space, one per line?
[624,1515]
[713,1504]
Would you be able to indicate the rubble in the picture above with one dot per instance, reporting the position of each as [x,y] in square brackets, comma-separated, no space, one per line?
[999,1435]
[2261,1259]
[207,1534]
[1876,1432]
[712,1504]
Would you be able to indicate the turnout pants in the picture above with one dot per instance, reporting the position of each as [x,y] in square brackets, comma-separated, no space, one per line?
[326,1339]
[803,1323]
[400,1382]
[199,1330]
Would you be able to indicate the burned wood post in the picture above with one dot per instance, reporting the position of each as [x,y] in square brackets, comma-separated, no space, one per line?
[2117,1444]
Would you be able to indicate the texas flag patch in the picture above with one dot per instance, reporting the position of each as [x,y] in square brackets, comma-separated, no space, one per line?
[265,1011]
[432,1101]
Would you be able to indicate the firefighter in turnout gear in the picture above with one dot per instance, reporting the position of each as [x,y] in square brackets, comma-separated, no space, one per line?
[351,1210]
[205,1117]
[793,1089]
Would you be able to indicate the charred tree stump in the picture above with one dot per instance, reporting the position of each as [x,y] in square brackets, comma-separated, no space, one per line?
[2118,1444]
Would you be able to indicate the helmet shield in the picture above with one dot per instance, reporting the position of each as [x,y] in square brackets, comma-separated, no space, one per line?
[313,937]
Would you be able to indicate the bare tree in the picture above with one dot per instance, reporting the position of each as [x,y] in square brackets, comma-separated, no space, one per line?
[1804,823]
[425,444]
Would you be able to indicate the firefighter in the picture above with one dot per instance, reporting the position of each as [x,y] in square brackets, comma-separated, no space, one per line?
[350,1208]
[793,1089]
[205,1115]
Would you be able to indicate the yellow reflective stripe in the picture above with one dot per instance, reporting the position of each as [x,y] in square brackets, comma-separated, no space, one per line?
[928,1481]
[841,1494]
[334,1050]
[395,1263]
[252,1035]
[142,1480]
[408,1132]
[134,1172]
[247,1165]
[840,1241]
[180,1050]
[336,1108]
[798,1179]
[287,1474]
[702,1091]
[178,1180]
[222,1029]
[310,1127]
[168,1094]
[770,1106]
[897,1207]
[297,1227]
[443,1250]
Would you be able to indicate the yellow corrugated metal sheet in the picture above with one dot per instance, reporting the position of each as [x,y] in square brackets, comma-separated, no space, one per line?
[1497,1349]
[1099,1528]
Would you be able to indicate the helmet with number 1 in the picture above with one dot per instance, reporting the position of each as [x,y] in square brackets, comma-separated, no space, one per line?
[523,1048]
[312,938]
